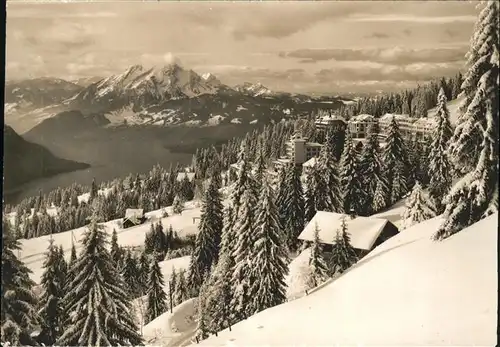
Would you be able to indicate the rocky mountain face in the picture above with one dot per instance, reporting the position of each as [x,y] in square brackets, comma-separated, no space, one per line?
[25,161]
[160,96]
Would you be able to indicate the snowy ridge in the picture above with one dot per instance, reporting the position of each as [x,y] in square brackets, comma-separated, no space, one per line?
[408,291]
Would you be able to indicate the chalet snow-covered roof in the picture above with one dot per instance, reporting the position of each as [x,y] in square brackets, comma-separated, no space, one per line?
[362,118]
[310,163]
[313,144]
[134,213]
[182,175]
[364,231]
[328,119]
[386,118]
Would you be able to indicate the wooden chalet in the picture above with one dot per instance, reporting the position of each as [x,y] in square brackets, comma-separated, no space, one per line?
[133,217]
[366,233]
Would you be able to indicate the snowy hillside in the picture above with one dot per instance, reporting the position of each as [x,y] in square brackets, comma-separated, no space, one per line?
[33,250]
[408,291]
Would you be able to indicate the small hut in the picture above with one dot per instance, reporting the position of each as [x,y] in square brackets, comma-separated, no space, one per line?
[133,217]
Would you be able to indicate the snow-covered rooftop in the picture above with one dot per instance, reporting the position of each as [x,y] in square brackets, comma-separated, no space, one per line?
[364,231]
[409,291]
[386,118]
[313,144]
[362,117]
[310,163]
[329,119]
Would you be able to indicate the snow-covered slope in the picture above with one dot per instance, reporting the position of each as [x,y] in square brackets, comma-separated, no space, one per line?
[408,291]
[172,329]
[33,250]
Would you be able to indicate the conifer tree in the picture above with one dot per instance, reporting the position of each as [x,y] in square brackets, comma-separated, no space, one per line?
[328,165]
[260,166]
[244,239]
[207,242]
[380,197]
[202,328]
[352,190]
[178,205]
[269,264]
[172,285]
[115,249]
[144,270]
[181,289]
[395,163]
[293,207]
[156,296]
[475,141]
[97,303]
[18,311]
[309,199]
[50,304]
[317,265]
[62,267]
[370,170]
[440,168]
[343,254]
[130,273]
[319,185]
[418,207]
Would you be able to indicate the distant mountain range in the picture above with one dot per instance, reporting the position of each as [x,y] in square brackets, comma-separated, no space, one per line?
[164,96]
[25,161]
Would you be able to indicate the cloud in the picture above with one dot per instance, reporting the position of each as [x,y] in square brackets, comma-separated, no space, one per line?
[395,55]
[363,71]
[411,18]
[378,35]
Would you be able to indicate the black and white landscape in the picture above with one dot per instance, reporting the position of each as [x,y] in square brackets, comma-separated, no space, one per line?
[256,174]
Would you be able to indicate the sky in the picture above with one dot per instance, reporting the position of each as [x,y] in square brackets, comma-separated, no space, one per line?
[307,47]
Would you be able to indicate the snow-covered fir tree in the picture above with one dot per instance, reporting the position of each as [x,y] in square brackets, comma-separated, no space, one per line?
[178,205]
[115,249]
[171,287]
[71,266]
[156,296]
[130,273]
[206,248]
[219,297]
[181,288]
[395,158]
[244,238]
[440,168]
[18,310]
[260,166]
[293,210]
[269,264]
[418,207]
[328,165]
[352,190]
[202,329]
[380,196]
[50,304]
[144,267]
[318,269]
[309,199]
[97,302]
[475,141]
[370,170]
[319,188]
[343,254]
